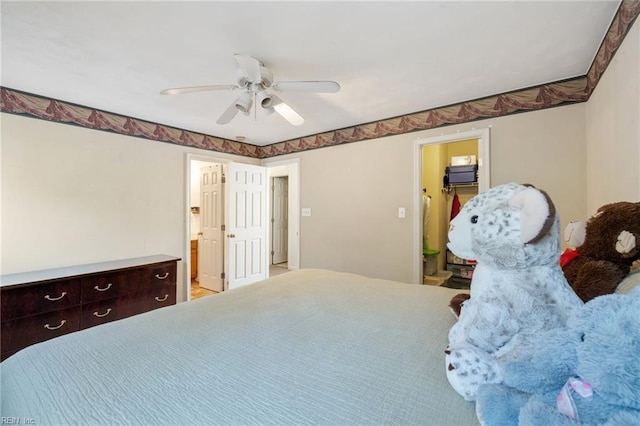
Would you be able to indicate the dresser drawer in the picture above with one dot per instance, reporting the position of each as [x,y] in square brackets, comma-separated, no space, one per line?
[109,286]
[23,332]
[142,302]
[101,312]
[159,298]
[163,275]
[37,298]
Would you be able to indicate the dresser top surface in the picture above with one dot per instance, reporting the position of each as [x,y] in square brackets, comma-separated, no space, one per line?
[89,268]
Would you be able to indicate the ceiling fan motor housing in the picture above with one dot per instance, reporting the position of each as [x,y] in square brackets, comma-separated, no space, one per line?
[267,77]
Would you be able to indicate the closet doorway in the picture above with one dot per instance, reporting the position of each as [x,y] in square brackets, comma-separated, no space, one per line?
[431,223]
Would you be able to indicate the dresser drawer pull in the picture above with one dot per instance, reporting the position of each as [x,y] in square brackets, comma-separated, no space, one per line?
[48,327]
[54,299]
[162,277]
[103,289]
[166,296]
[96,314]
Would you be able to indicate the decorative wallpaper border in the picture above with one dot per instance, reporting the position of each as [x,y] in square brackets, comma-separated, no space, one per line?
[539,97]
[17,102]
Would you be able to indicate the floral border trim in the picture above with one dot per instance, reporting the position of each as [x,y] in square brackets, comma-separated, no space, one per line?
[620,26]
[539,97]
[16,102]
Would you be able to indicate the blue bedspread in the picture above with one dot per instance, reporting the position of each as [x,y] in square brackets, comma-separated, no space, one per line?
[306,347]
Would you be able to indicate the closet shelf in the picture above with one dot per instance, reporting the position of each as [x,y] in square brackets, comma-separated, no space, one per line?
[447,189]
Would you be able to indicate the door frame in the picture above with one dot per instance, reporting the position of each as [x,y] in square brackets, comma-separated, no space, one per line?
[189,157]
[484,181]
[291,169]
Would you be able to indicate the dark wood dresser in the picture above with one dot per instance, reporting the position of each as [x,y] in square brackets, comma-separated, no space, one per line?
[40,305]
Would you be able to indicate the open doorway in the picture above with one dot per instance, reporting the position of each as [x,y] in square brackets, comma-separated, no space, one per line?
[239,194]
[284,204]
[228,226]
[436,199]
[279,229]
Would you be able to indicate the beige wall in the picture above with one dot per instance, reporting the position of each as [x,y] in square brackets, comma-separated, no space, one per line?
[72,195]
[613,129]
[354,190]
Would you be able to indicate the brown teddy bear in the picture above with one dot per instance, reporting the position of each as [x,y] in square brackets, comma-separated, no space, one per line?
[611,244]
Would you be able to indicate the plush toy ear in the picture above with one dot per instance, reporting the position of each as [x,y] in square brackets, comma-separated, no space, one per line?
[537,213]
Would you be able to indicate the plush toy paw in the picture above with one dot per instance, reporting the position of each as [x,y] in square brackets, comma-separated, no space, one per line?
[499,405]
[468,368]
[626,243]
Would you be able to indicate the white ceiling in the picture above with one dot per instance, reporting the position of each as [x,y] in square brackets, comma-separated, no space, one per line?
[390,58]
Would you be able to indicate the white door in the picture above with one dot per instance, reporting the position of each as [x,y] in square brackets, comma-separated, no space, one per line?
[210,243]
[246,234]
[279,220]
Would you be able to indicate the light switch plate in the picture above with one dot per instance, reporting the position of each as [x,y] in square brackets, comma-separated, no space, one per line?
[402,213]
[306,211]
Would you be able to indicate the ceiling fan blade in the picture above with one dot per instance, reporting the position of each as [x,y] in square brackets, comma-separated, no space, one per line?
[249,66]
[287,112]
[306,86]
[182,90]
[228,114]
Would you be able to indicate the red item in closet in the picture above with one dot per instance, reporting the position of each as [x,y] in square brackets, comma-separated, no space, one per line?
[455,206]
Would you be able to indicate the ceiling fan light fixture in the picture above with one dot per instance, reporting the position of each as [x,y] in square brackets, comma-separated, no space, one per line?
[265,100]
[244,103]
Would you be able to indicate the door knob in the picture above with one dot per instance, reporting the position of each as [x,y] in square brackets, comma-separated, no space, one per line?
[231,235]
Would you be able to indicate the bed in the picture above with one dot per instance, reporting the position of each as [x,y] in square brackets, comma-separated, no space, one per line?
[307,347]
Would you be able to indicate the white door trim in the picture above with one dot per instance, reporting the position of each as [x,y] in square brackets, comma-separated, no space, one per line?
[484,177]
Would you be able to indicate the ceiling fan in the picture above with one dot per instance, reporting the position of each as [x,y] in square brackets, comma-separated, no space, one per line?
[253,80]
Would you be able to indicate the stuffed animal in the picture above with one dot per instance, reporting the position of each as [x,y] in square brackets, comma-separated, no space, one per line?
[586,373]
[611,244]
[517,288]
